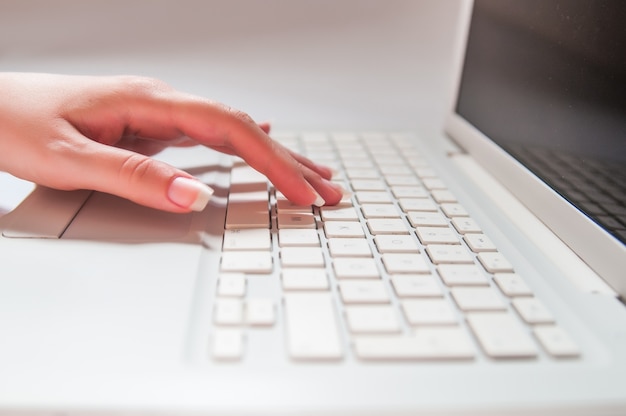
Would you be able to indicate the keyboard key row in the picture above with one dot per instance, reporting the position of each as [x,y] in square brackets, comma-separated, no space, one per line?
[253,312]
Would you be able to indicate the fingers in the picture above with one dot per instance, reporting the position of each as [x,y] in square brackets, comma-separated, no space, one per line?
[158,185]
[324,171]
[165,113]
[149,182]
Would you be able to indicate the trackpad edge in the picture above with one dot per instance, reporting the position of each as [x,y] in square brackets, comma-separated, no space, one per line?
[106,217]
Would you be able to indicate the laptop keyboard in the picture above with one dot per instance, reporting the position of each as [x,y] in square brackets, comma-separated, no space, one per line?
[397,271]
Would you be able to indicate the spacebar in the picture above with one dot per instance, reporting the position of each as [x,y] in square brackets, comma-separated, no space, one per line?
[312,329]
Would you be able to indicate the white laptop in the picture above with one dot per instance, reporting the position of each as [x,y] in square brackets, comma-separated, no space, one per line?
[479,272]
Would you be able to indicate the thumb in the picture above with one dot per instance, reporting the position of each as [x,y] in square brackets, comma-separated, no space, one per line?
[140,179]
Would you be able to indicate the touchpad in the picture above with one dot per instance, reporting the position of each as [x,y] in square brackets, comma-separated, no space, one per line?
[105,217]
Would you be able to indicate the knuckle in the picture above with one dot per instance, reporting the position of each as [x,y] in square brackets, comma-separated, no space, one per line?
[135,168]
[238,115]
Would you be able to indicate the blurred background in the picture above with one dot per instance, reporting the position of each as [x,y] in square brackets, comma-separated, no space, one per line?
[328,63]
[331,64]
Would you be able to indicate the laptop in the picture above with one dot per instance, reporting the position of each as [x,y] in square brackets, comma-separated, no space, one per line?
[475,272]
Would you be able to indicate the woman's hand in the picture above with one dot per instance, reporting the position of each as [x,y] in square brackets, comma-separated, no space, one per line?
[75,132]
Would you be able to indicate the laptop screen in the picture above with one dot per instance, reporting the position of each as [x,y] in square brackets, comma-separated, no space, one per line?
[546,80]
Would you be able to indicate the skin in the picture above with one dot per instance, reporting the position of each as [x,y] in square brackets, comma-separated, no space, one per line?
[75,132]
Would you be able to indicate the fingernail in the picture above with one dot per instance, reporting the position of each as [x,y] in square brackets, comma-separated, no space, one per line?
[319,201]
[189,193]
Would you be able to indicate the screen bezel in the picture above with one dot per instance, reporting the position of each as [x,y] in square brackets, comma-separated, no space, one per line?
[601,251]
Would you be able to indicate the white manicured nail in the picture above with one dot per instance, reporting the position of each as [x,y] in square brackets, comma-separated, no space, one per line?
[319,201]
[189,193]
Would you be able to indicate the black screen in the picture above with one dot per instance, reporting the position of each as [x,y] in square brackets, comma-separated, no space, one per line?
[546,80]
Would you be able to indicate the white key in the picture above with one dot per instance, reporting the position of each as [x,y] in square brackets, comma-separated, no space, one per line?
[298,237]
[349,247]
[312,328]
[425,172]
[248,187]
[556,341]
[453,210]
[416,285]
[396,244]
[231,285]
[227,344]
[417,204]
[380,211]
[443,195]
[346,199]
[373,197]
[368,185]
[237,161]
[300,220]
[429,311]
[409,180]
[465,225]
[247,218]
[360,173]
[241,199]
[501,335]
[363,163]
[355,156]
[385,157]
[363,291]
[247,239]
[339,214]
[355,268]
[404,263]
[248,262]
[305,279]
[533,311]
[437,235]
[427,219]
[511,284]
[343,229]
[260,312]
[479,242]
[448,253]
[415,159]
[284,205]
[253,214]
[302,257]
[372,319]
[462,275]
[244,174]
[395,169]
[477,299]
[435,343]
[228,311]
[433,183]
[409,191]
[494,262]
[387,226]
